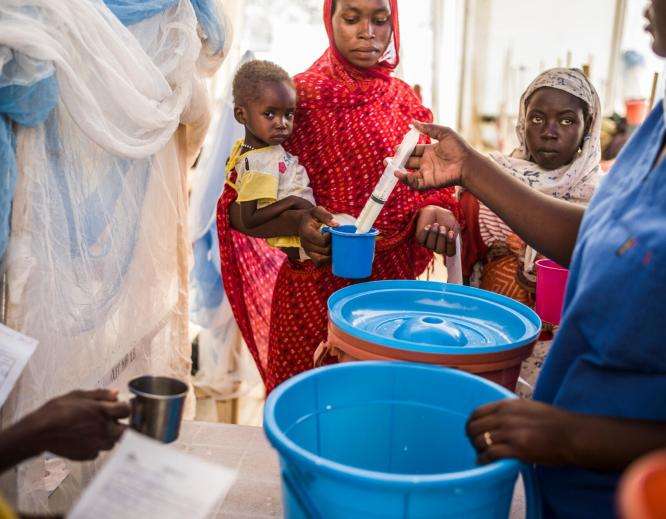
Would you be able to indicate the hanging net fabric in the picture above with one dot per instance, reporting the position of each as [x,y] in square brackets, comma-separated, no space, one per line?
[104,107]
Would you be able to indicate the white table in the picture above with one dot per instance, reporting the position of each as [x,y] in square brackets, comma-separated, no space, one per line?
[256,492]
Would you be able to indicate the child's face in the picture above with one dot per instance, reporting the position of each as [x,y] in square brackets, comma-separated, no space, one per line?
[555,127]
[270,118]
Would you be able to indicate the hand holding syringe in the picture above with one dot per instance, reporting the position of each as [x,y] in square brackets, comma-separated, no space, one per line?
[386,182]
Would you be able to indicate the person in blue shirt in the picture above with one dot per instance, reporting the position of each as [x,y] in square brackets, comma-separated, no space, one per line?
[600,401]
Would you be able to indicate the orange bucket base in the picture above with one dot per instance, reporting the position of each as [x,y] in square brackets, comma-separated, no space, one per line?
[642,490]
[502,368]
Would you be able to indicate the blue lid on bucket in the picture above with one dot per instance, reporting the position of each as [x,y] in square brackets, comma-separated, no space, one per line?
[433,317]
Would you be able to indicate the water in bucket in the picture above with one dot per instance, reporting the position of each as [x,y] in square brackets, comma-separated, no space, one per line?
[386,439]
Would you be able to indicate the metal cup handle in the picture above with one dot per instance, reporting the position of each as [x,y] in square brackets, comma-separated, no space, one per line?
[136,411]
[129,399]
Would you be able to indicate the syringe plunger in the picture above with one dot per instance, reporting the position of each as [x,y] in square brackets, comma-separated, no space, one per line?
[386,182]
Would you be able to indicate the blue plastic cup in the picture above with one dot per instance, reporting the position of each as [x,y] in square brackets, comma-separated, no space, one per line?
[353,253]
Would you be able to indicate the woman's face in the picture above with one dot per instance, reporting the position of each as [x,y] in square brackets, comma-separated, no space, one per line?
[656,17]
[555,126]
[362,30]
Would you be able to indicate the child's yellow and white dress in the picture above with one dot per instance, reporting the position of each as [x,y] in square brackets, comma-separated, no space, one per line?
[6,511]
[268,175]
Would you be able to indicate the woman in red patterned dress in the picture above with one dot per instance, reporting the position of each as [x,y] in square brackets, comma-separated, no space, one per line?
[351,114]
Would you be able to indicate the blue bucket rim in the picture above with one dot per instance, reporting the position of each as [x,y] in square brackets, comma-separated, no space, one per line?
[523,311]
[291,450]
[338,232]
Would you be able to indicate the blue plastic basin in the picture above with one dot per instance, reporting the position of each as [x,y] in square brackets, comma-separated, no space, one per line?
[386,440]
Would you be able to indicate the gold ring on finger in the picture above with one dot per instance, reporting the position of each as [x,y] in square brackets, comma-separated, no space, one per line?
[488,438]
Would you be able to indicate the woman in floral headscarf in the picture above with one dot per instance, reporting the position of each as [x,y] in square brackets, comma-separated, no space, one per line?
[559,128]
[351,114]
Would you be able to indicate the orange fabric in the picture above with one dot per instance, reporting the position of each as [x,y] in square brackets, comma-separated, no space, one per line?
[500,276]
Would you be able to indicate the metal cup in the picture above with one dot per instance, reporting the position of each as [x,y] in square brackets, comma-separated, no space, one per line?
[157,408]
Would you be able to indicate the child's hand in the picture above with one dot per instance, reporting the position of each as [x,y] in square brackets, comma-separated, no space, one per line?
[316,244]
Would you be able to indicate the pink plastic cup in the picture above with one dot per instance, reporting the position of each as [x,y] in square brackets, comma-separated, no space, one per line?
[551,284]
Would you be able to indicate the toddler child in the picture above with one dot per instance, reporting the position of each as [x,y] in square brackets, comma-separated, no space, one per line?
[268,180]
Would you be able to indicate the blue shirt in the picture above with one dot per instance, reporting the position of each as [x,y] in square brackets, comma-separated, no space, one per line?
[609,357]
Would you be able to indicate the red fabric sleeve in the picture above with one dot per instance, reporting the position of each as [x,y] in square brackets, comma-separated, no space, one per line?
[473,248]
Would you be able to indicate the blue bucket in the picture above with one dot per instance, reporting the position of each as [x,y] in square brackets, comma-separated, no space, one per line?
[387,440]
[353,253]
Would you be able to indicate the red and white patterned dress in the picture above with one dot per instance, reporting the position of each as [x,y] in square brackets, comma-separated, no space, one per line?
[347,121]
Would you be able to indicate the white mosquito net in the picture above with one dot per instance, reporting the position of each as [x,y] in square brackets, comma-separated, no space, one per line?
[97,260]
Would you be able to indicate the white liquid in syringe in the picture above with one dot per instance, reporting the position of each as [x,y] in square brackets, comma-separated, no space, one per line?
[386,183]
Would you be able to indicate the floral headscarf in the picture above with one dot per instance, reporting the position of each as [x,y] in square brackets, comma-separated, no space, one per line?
[578,180]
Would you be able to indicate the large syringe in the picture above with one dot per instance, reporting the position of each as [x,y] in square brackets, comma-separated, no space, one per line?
[386,182]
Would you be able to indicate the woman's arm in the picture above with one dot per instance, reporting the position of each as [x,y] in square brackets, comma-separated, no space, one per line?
[538,433]
[253,217]
[547,224]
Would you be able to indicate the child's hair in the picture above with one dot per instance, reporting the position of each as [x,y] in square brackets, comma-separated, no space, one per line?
[250,76]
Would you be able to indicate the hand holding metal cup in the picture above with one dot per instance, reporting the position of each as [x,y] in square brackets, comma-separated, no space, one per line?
[157,406]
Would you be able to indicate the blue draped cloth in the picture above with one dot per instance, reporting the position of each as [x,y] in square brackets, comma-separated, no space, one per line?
[28,105]
[7,179]
[211,24]
[206,289]
[133,11]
